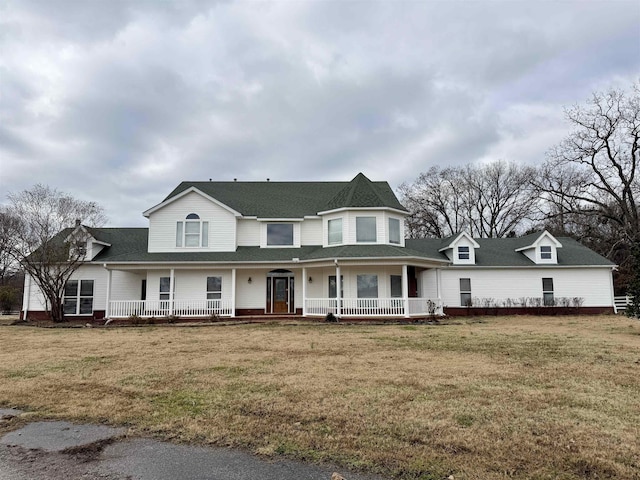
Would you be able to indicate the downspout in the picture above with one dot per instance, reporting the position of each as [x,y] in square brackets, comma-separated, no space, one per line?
[26,298]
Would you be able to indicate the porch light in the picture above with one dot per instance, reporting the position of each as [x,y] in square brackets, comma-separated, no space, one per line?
[310,280]
[249,281]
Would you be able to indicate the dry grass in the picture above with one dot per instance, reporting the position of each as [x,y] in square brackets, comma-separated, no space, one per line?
[517,397]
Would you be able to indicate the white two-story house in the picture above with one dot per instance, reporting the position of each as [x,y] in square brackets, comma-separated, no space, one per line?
[234,249]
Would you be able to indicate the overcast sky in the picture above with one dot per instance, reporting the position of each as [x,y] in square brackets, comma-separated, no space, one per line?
[118,101]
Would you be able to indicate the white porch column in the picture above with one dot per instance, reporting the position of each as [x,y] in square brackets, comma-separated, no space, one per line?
[338,289]
[439,292]
[171,287]
[107,308]
[405,289]
[233,292]
[304,292]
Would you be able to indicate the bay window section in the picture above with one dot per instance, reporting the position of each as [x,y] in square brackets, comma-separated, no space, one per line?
[280,234]
[366,230]
[335,231]
[333,290]
[394,231]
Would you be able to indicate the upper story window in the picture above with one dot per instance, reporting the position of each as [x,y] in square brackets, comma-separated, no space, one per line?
[545,252]
[192,232]
[366,229]
[335,231]
[280,234]
[394,231]
[463,252]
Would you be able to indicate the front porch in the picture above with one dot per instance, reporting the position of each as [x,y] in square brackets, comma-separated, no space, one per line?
[313,307]
[345,290]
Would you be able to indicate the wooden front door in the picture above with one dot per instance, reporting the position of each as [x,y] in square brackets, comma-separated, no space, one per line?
[280,295]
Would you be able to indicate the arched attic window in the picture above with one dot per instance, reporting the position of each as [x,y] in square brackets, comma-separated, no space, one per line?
[192,232]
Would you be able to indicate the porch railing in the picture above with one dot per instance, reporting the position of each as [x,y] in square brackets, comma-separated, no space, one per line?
[371,307]
[164,308]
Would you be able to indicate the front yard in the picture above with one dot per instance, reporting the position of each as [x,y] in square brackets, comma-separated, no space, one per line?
[506,397]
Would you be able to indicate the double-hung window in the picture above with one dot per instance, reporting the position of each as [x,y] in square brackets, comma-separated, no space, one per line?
[78,297]
[367,286]
[465,292]
[366,229]
[280,234]
[214,288]
[165,286]
[192,232]
[545,252]
[547,292]
[335,231]
[333,288]
[396,286]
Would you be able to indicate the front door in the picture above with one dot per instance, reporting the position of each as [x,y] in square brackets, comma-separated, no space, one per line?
[280,295]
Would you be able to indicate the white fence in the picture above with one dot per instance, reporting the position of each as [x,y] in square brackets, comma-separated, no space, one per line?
[621,303]
[372,307]
[164,308]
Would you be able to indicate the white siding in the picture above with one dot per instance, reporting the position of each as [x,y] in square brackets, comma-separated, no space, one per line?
[428,284]
[162,225]
[311,232]
[592,284]
[248,233]
[126,285]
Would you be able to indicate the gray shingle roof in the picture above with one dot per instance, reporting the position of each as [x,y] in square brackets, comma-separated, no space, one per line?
[295,199]
[130,245]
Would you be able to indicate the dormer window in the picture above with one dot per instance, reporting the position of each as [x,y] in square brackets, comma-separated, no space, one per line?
[463,252]
[192,232]
[545,252]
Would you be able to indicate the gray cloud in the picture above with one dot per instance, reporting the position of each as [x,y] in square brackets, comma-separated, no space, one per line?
[119,101]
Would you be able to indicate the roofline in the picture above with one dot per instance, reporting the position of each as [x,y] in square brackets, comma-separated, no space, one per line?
[191,189]
[534,266]
[343,209]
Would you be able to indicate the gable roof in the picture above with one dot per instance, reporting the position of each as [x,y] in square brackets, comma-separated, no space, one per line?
[450,242]
[532,240]
[294,199]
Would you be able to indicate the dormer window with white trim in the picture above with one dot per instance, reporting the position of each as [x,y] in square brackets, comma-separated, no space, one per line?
[463,252]
[192,232]
[545,252]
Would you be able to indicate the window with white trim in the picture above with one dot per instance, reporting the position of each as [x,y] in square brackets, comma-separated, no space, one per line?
[280,234]
[165,288]
[78,297]
[465,292]
[463,252]
[396,286]
[192,232]
[366,229]
[334,228]
[333,289]
[367,286]
[394,231]
[545,252]
[214,288]
[547,292]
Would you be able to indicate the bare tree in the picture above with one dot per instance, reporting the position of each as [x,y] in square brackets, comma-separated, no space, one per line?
[42,240]
[491,200]
[594,172]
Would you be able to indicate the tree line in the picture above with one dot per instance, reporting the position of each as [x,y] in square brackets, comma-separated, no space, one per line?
[588,187]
